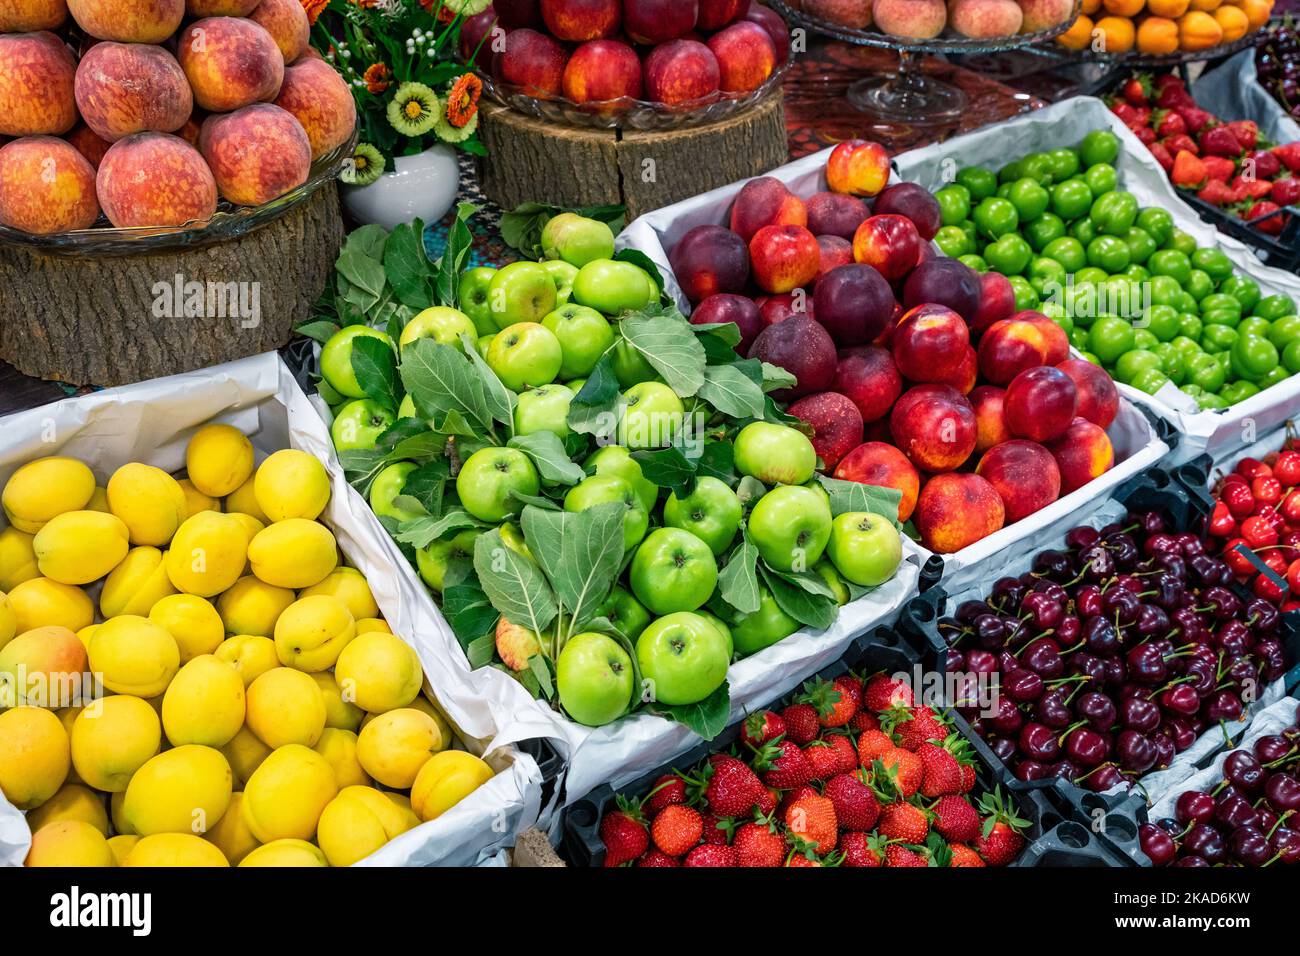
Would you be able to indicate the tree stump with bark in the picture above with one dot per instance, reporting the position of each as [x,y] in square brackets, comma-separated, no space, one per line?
[114,320]
[531,160]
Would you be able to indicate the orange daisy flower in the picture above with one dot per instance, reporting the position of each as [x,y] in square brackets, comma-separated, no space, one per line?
[462,101]
[314,9]
[377,76]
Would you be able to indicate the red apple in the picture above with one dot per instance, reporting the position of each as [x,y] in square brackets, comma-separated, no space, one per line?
[836,214]
[534,63]
[1011,346]
[726,307]
[581,20]
[991,427]
[801,347]
[934,426]
[1057,343]
[1040,403]
[765,201]
[868,376]
[746,56]
[658,21]
[602,70]
[1098,397]
[1024,474]
[1083,453]
[997,301]
[716,14]
[784,257]
[929,343]
[835,252]
[854,303]
[777,308]
[774,24]
[890,244]
[913,201]
[708,260]
[836,422]
[963,378]
[681,71]
[858,167]
[879,463]
[957,510]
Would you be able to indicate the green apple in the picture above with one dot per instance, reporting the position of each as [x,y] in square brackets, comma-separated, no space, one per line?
[562,274]
[447,562]
[472,296]
[387,486]
[441,324]
[617,460]
[576,239]
[711,512]
[483,343]
[865,548]
[764,627]
[585,335]
[514,540]
[520,292]
[613,287]
[723,628]
[625,612]
[790,526]
[594,676]
[832,578]
[575,385]
[599,489]
[407,408]
[525,354]
[359,423]
[630,366]
[683,657]
[489,476]
[673,571]
[543,409]
[652,416]
[775,454]
[336,359]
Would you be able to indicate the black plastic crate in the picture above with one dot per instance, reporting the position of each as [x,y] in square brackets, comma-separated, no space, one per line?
[883,649]
[1070,844]
[548,761]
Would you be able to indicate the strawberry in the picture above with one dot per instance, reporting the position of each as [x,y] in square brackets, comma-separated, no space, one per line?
[1142,115]
[1179,144]
[1172,97]
[1215,192]
[855,805]
[1194,118]
[915,726]
[844,749]
[1162,156]
[1252,188]
[812,819]
[623,832]
[865,720]
[901,856]
[1289,153]
[882,693]
[872,745]
[999,841]
[1286,191]
[1188,170]
[657,858]
[801,723]
[1166,80]
[1219,167]
[717,829]
[850,689]
[1136,91]
[711,855]
[967,777]
[759,844]
[761,727]
[1273,225]
[729,785]
[903,822]
[676,829]
[862,849]
[800,859]
[1169,123]
[964,856]
[668,789]
[798,793]
[1125,112]
[1266,163]
[1145,134]
[767,800]
[903,769]
[1220,141]
[823,759]
[941,772]
[956,819]
[1245,132]
[782,764]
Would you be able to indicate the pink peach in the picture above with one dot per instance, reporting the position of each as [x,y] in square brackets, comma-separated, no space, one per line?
[286,21]
[125,88]
[230,63]
[24,16]
[128,21]
[321,102]
[37,80]
[257,154]
[46,186]
[155,179]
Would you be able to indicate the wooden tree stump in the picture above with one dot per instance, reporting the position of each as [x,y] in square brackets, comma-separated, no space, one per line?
[114,320]
[530,160]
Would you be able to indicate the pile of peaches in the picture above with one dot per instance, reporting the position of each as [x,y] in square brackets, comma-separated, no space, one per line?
[912,370]
[1163,27]
[678,53]
[149,111]
[926,19]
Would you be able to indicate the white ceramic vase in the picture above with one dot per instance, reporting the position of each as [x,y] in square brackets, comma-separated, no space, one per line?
[422,186]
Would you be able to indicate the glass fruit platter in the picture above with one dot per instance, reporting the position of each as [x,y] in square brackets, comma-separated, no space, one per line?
[908,95]
[628,113]
[229,221]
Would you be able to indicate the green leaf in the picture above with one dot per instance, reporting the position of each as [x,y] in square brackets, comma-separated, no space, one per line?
[718,461]
[809,581]
[672,468]
[375,367]
[320,331]
[776,378]
[363,274]
[772,413]
[407,265]
[541,670]
[581,553]
[855,496]
[639,258]
[726,332]
[738,580]
[422,532]
[499,400]
[361,465]
[440,378]
[594,410]
[521,228]
[368,241]
[729,390]
[811,609]
[482,649]
[459,243]
[537,501]
[749,490]
[548,455]
[471,616]
[515,585]
[666,342]
[708,718]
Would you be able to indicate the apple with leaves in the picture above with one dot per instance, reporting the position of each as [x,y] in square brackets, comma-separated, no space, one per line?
[673,570]
[790,526]
[599,489]
[336,359]
[440,323]
[388,485]
[447,562]
[751,631]
[472,298]
[543,409]
[488,478]
[584,335]
[359,423]
[595,678]
[711,512]
[683,658]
